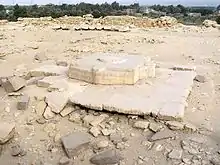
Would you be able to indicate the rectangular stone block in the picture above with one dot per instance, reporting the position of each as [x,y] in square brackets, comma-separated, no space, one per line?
[23,102]
[13,84]
[75,143]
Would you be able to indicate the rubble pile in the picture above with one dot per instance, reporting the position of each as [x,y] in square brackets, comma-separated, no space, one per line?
[87,22]
[3,22]
[210,23]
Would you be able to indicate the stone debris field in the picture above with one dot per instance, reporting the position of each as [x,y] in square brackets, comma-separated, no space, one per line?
[116,90]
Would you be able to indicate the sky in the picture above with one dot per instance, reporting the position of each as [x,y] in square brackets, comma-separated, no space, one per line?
[142,2]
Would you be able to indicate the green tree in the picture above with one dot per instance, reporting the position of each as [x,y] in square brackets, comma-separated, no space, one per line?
[20,11]
[218,19]
[2,12]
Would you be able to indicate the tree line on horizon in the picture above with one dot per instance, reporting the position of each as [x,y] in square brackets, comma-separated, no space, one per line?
[11,13]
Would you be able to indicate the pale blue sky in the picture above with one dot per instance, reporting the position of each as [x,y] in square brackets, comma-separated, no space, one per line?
[145,2]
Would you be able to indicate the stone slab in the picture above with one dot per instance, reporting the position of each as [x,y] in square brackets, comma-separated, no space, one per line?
[23,102]
[75,143]
[49,70]
[13,84]
[7,131]
[165,99]
[57,101]
[109,69]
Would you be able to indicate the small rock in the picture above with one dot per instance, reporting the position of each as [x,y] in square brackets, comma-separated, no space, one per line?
[157,147]
[102,144]
[141,124]
[64,161]
[48,114]
[7,109]
[175,125]
[186,160]
[15,94]
[61,63]
[30,120]
[66,111]
[106,132]
[13,84]
[16,150]
[115,138]
[121,146]
[57,101]
[41,120]
[7,132]
[155,127]
[107,157]
[75,143]
[148,144]
[34,80]
[57,138]
[22,104]
[75,117]
[95,131]
[40,108]
[164,134]
[98,119]
[215,161]
[189,127]
[41,57]
[175,154]
[200,78]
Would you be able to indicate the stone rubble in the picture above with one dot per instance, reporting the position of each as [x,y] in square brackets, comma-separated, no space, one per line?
[175,154]
[163,134]
[107,157]
[48,113]
[57,101]
[7,131]
[23,102]
[141,124]
[13,84]
[75,143]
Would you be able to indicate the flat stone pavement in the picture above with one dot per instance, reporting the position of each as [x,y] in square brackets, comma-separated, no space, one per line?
[163,97]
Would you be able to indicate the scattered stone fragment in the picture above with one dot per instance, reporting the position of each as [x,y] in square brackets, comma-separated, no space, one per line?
[186,160]
[106,132]
[64,161]
[121,146]
[48,113]
[57,101]
[7,131]
[57,138]
[41,120]
[155,127]
[13,84]
[15,94]
[30,120]
[175,154]
[164,134]
[175,125]
[148,144]
[34,80]
[61,63]
[95,131]
[88,119]
[75,117]
[200,78]
[102,144]
[41,57]
[66,111]
[115,138]
[98,120]
[40,108]
[215,161]
[75,143]
[189,127]
[23,102]
[107,157]
[16,150]
[141,124]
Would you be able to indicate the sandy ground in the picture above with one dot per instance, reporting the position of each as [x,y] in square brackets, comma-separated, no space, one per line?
[200,49]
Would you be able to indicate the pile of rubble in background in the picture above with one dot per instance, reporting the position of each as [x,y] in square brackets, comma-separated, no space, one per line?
[210,23]
[102,22]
